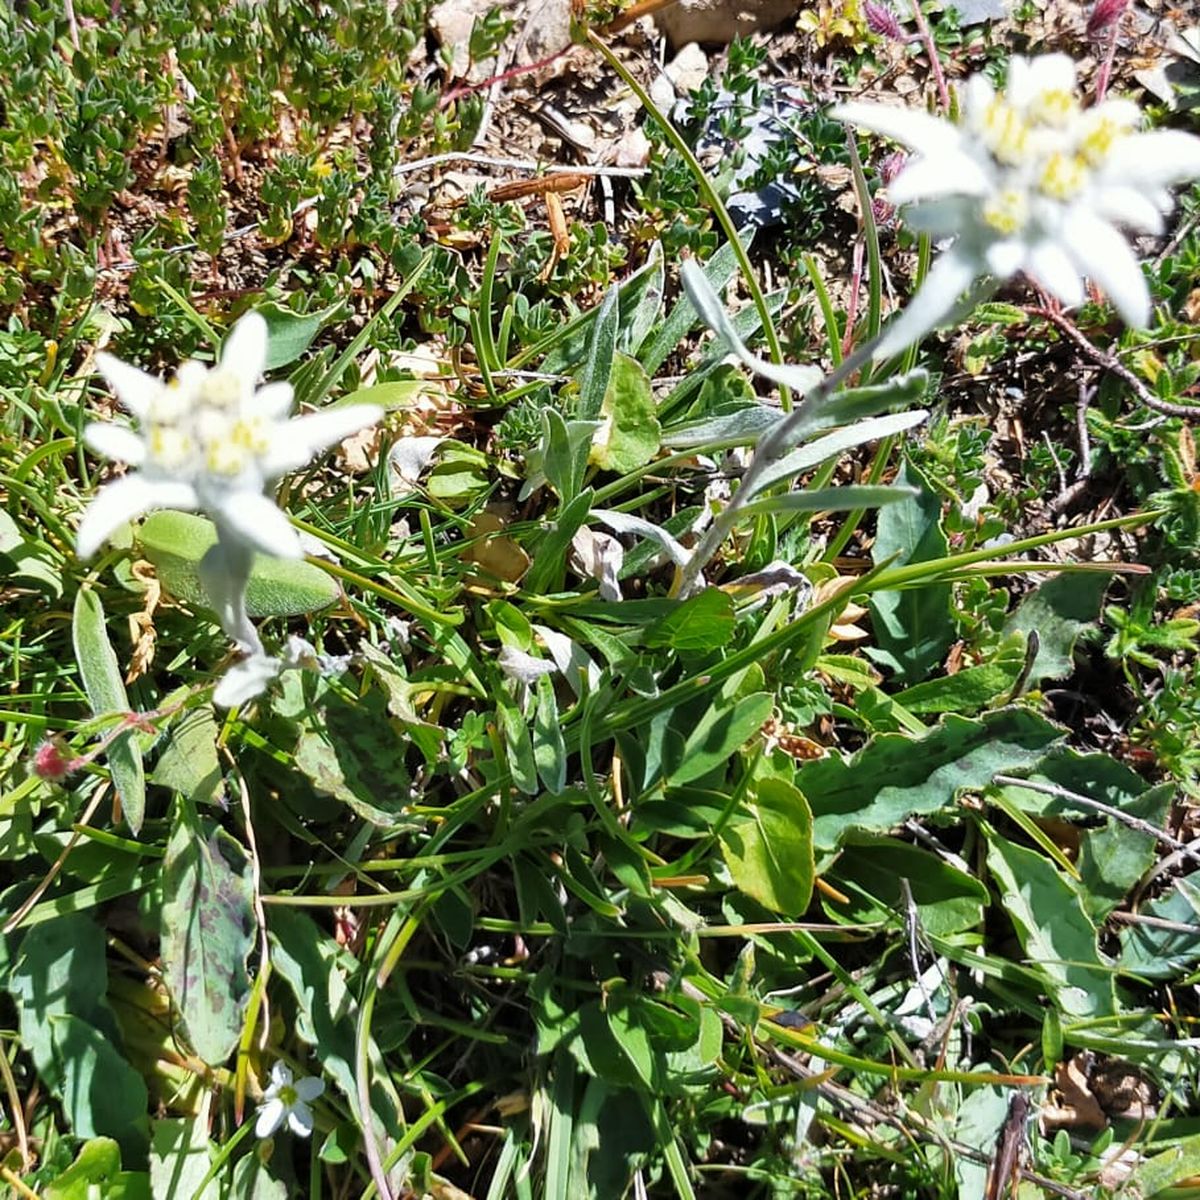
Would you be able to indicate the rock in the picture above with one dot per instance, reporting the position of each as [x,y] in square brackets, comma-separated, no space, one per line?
[547,31]
[720,21]
[688,69]
[451,23]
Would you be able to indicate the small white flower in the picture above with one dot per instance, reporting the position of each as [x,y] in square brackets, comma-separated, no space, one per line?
[1029,181]
[287,1100]
[210,440]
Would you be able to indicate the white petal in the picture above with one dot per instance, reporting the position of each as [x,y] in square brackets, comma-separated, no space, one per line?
[133,387]
[910,126]
[309,1087]
[245,349]
[1051,266]
[224,572]
[271,402]
[300,1120]
[940,175]
[1152,160]
[978,95]
[1005,257]
[948,278]
[281,1074]
[245,680]
[259,522]
[122,501]
[270,1116]
[524,668]
[117,442]
[298,441]
[1028,78]
[1128,206]
[1101,253]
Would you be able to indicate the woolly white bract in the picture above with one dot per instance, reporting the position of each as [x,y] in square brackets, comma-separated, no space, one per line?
[1030,181]
[287,1101]
[210,440]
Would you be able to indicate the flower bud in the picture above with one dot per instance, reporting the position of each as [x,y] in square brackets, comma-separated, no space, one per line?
[51,762]
[881,20]
[1104,14]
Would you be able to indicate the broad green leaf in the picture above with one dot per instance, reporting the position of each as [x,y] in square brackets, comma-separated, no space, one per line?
[175,543]
[948,900]
[355,754]
[1113,858]
[180,1158]
[702,623]
[1165,952]
[390,396]
[834,499]
[628,436]
[102,1095]
[719,734]
[1154,1176]
[597,366]
[252,1180]
[970,689]
[912,626]
[896,776]
[1096,776]
[188,762]
[612,1046]
[208,927]
[290,333]
[1058,938]
[96,1172]
[550,552]
[461,474]
[60,970]
[565,447]
[1059,610]
[317,969]
[106,694]
[549,752]
[770,853]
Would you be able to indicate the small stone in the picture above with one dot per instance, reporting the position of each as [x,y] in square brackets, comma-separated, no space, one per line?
[688,69]
[547,32]
[451,23]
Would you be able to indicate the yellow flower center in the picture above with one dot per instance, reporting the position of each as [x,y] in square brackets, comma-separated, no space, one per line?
[1007,135]
[1097,145]
[1054,107]
[226,457]
[221,389]
[169,447]
[1007,211]
[1063,176]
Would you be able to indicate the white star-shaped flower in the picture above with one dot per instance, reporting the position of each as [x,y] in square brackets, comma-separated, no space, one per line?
[210,439]
[1029,181]
[287,1100]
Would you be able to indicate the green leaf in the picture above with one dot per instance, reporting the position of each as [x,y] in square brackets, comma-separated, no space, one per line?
[1059,610]
[390,396]
[290,333]
[95,1172]
[970,689]
[355,754]
[549,752]
[1165,952]
[518,748]
[834,499]
[629,432]
[180,1158]
[550,553]
[948,900]
[1115,857]
[1153,1176]
[60,970]
[896,776]
[912,626]
[175,543]
[208,931]
[1054,931]
[565,449]
[602,347]
[102,1095]
[702,623]
[106,694]
[770,854]
[188,762]
[719,733]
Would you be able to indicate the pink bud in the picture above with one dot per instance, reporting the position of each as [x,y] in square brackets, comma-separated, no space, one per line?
[881,20]
[49,761]
[1104,14]
[893,165]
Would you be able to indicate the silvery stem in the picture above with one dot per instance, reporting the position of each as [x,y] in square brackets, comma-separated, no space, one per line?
[771,446]
[225,574]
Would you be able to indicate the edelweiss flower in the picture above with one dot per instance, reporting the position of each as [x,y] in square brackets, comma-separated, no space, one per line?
[1029,181]
[209,440]
[284,1099]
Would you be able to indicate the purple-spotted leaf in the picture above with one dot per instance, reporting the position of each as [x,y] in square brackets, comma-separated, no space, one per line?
[208,930]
